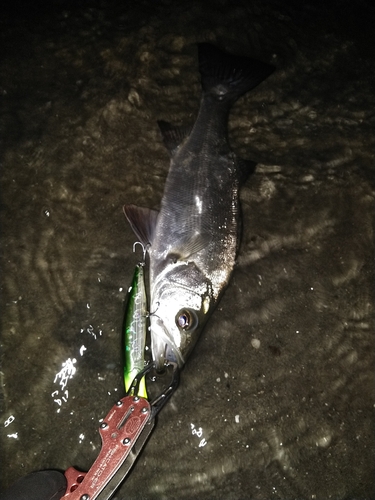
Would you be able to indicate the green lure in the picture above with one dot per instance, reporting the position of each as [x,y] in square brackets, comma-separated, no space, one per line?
[135,331]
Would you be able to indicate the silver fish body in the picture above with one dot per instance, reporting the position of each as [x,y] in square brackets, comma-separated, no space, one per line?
[194,238]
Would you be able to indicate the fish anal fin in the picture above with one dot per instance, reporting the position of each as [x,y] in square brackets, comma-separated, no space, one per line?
[173,135]
[142,221]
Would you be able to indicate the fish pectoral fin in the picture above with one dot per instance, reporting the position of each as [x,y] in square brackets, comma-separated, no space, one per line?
[245,168]
[172,135]
[189,247]
[142,221]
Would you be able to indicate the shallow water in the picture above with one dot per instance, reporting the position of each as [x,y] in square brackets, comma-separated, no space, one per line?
[277,400]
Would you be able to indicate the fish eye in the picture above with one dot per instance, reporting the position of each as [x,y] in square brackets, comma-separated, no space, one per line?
[186,319]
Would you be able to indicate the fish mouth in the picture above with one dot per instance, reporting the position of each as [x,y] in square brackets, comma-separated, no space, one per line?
[163,346]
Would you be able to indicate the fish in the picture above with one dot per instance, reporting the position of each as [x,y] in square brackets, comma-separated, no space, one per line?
[194,239]
[135,326]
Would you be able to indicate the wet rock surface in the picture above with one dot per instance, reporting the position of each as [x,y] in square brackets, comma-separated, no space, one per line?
[277,400]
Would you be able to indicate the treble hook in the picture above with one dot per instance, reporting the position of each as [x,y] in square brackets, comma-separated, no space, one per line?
[144,251]
[156,310]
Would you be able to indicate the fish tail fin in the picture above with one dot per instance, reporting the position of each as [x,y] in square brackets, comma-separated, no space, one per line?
[226,77]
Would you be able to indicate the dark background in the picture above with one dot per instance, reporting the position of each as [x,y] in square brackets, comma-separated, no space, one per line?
[281,385]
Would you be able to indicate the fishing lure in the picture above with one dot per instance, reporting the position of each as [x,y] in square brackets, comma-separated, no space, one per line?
[135,330]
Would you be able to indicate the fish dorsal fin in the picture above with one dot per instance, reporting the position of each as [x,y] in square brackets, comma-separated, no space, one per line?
[173,135]
[142,221]
[245,168]
[189,246]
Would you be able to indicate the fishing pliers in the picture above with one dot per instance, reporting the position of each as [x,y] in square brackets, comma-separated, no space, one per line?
[124,432]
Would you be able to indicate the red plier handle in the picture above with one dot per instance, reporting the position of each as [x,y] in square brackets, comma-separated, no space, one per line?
[124,431]
[119,431]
